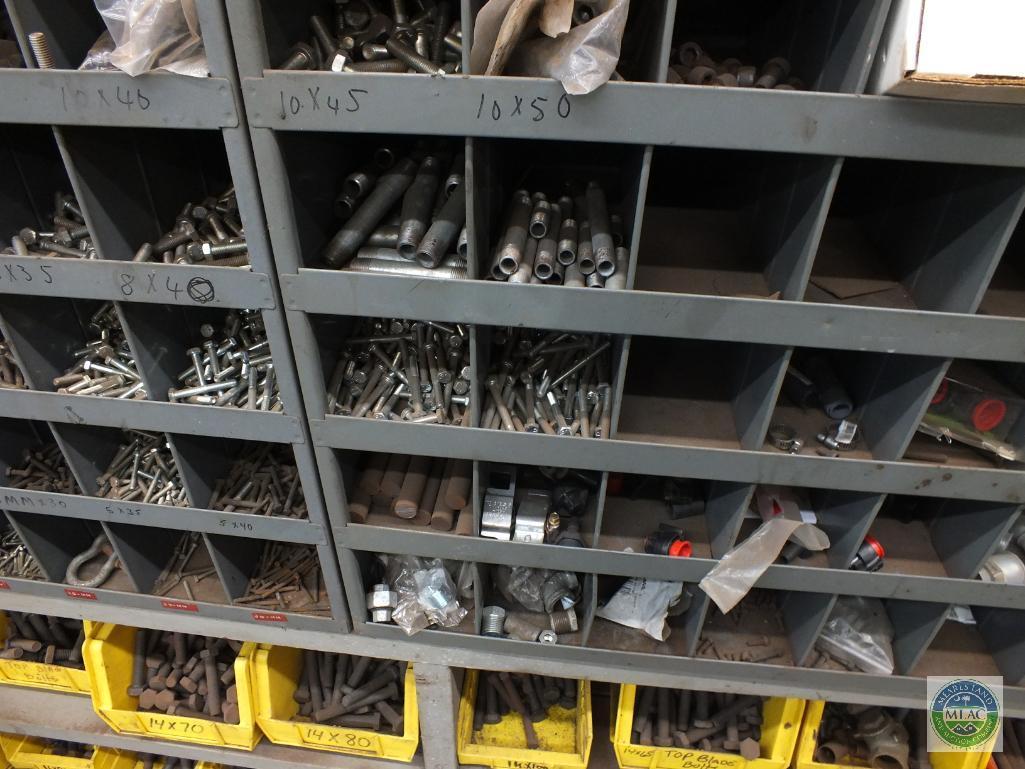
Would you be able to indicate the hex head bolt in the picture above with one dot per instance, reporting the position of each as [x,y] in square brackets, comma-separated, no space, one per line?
[354,233]
[411,58]
[301,57]
[775,71]
[516,703]
[444,230]
[416,206]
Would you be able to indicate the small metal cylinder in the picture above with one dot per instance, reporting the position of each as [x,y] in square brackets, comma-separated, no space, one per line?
[416,206]
[510,251]
[493,621]
[444,231]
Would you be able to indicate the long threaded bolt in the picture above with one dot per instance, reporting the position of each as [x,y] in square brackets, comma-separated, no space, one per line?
[41,50]
[411,58]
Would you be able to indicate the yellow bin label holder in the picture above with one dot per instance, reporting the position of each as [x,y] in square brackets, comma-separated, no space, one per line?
[276,676]
[781,725]
[809,738]
[108,654]
[40,675]
[566,735]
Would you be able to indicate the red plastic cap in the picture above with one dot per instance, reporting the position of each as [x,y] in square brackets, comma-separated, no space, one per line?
[681,548]
[876,545]
[941,392]
[988,413]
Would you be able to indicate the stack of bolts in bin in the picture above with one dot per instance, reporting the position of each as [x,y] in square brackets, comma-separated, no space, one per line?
[11,377]
[287,579]
[263,481]
[573,241]
[143,470]
[422,490]
[551,382]
[39,638]
[529,696]
[208,233]
[859,735]
[185,675]
[691,65]
[413,371]
[15,559]
[44,470]
[403,215]
[105,366]
[352,692]
[697,720]
[233,370]
[418,36]
[66,235]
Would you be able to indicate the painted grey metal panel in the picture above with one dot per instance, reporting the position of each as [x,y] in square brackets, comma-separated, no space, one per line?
[155,100]
[768,466]
[693,316]
[805,122]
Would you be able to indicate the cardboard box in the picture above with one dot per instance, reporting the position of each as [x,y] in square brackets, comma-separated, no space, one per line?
[967,50]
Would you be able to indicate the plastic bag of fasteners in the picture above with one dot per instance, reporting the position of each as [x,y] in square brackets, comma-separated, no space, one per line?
[575,43]
[538,590]
[859,633]
[426,593]
[148,35]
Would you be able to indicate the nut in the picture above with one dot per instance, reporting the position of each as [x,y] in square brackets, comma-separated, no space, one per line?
[381,602]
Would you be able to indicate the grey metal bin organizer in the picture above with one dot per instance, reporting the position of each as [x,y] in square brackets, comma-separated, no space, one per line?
[743,208]
[133,151]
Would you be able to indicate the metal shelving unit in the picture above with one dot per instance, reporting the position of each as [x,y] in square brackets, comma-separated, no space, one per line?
[688,151]
[133,151]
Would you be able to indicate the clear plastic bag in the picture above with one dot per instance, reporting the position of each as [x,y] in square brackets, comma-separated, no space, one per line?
[426,593]
[582,59]
[538,590]
[643,604]
[151,34]
[859,633]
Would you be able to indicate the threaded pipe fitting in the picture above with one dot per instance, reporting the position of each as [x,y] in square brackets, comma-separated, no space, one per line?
[493,621]
[41,50]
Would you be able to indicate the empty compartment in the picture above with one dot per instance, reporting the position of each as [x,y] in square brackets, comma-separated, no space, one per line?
[73,346]
[822,47]
[407,492]
[910,236]
[415,593]
[555,382]
[676,636]
[698,393]
[853,404]
[1006,292]
[31,459]
[415,37]
[731,223]
[138,186]
[397,369]
[71,28]
[275,576]
[378,204]
[539,505]
[555,212]
[972,641]
[544,605]
[975,417]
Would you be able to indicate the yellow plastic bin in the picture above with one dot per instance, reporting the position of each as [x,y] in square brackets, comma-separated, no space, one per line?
[33,753]
[108,655]
[39,675]
[276,676]
[780,728]
[566,735]
[808,741]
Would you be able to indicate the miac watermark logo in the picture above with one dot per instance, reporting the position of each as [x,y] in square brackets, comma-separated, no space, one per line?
[965,713]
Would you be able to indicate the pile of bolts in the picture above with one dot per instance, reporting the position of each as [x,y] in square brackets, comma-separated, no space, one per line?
[263,481]
[691,65]
[143,470]
[349,691]
[11,377]
[185,675]
[403,214]
[531,697]
[413,36]
[15,559]
[287,578]
[572,241]
[66,234]
[105,367]
[412,371]
[232,368]
[208,234]
[422,490]
[551,382]
[39,638]
[44,470]
[698,720]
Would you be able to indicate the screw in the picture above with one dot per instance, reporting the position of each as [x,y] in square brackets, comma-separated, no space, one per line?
[41,50]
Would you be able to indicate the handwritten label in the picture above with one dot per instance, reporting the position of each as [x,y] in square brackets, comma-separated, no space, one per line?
[266,616]
[122,511]
[356,741]
[21,274]
[21,502]
[168,603]
[536,109]
[5,585]
[671,758]
[527,765]
[120,99]
[316,99]
[228,523]
[34,672]
[164,725]
[82,595]
[147,283]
